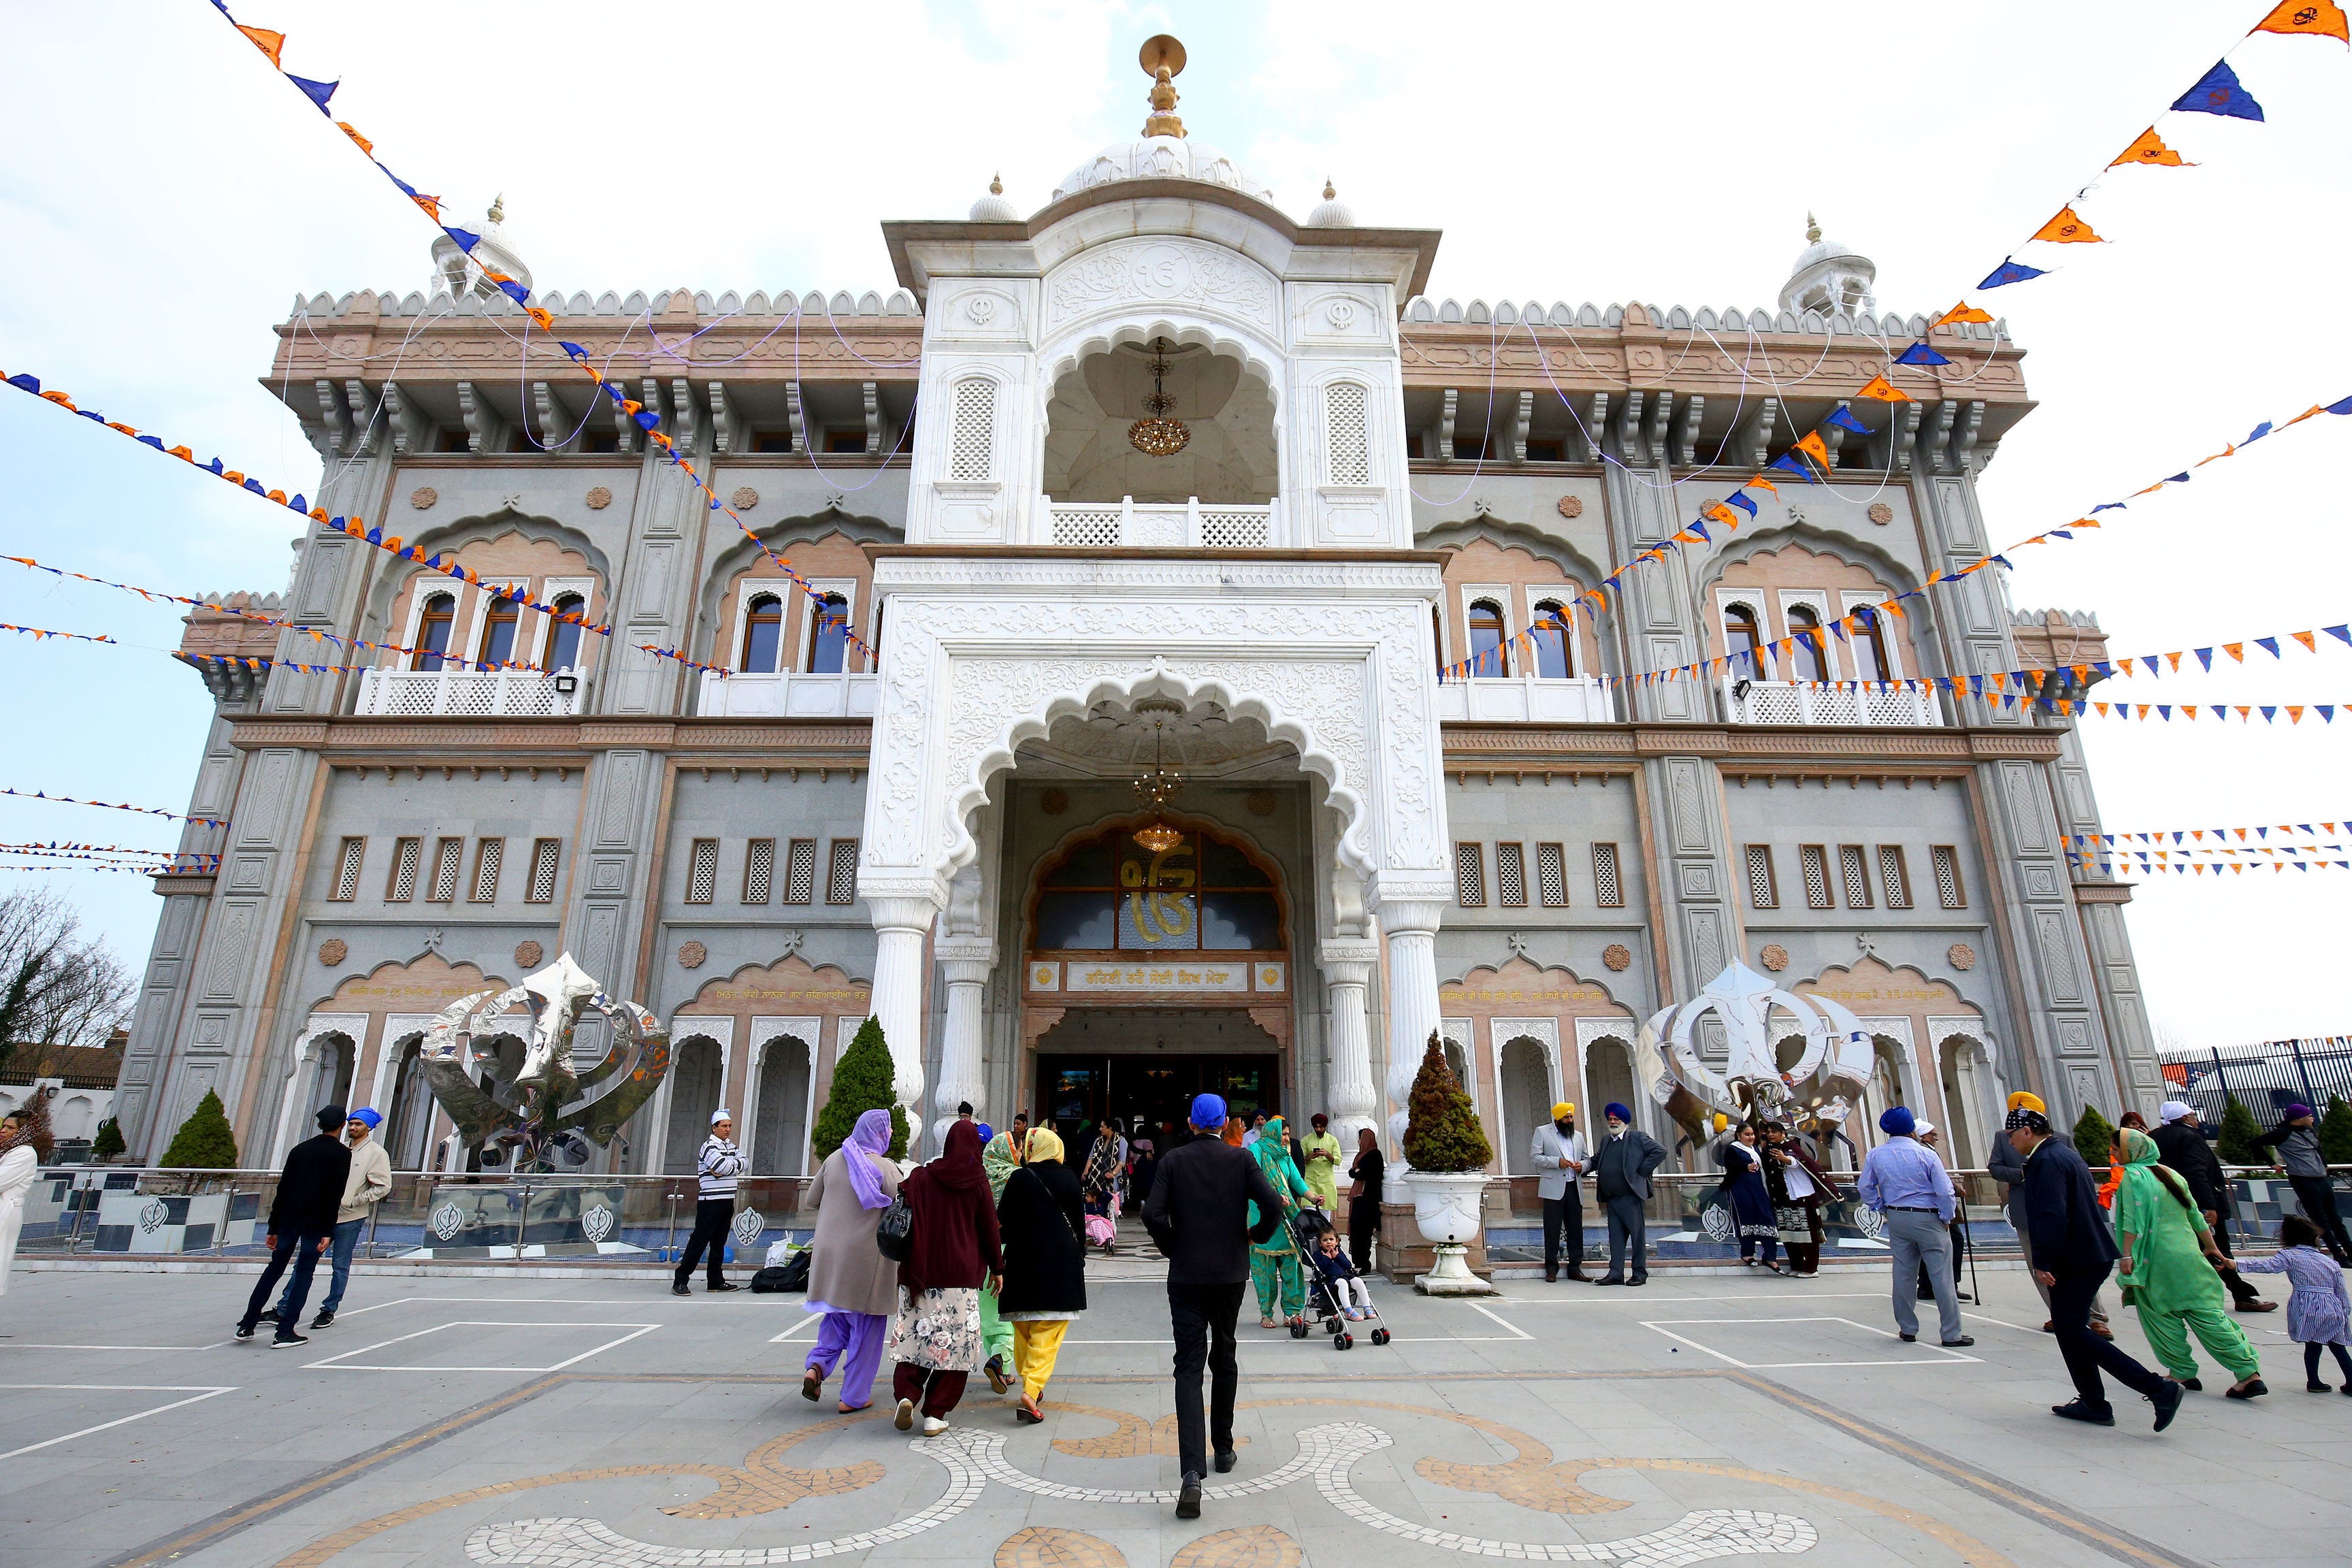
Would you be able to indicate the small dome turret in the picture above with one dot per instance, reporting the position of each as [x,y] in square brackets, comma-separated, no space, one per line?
[1828,277]
[459,270]
[993,207]
[1333,212]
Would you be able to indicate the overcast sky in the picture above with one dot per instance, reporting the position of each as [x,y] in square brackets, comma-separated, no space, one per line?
[163,198]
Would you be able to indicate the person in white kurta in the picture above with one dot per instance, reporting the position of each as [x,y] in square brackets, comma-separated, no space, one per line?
[18,1166]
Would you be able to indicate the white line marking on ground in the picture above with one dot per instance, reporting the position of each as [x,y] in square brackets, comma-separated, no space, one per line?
[1517,1332]
[340,1362]
[1621,1297]
[812,1320]
[1950,1356]
[34,1345]
[200,1392]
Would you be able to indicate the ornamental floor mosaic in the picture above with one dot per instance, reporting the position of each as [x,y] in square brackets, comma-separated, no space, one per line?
[609,1425]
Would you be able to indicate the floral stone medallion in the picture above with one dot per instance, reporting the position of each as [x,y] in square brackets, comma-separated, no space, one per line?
[1962,955]
[332,951]
[423,497]
[690,956]
[1572,506]
[1617,956]
[599,499]
[1774,957]
[527,955]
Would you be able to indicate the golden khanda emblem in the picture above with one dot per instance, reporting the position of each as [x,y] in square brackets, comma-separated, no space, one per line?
[1158,913]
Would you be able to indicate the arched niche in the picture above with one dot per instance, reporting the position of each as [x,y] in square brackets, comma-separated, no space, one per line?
[1231,458]
[1555,1011]
[1908,1013]
[783,1026]
[547,557]
[827,549]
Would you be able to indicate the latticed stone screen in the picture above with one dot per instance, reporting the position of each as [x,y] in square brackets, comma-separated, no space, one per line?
[1470,876]
[1856,873]
[759,869]
[1948,891]
[488,859]
[1510,876]
[1348,432]
[544,855]
[1607,891]
[407,857]
[800,871]
[1894,878]
[347,871]
[1551,875]
[702,872]
[1763,893]
[972,441]
[841,877]
[447,857]
[1816,862]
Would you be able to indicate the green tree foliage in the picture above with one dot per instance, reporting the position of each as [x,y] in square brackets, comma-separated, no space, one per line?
[1442,1133]
[2095,1136]
[2240,1143]
[864,1079]
[2336,1131]
[205,1142]
[109,1141]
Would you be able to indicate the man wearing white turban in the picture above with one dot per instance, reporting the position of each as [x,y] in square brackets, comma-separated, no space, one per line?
[2181,1144]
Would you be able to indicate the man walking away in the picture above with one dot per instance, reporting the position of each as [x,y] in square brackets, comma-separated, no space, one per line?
[2181,1145]
[2072,1250]
[1197,1215]
[363,1188]
[1560,1157]
[716,1167]
[1621,1181]
[301,1224]
[2296,1139]
[1903,1180]
[2007,1166]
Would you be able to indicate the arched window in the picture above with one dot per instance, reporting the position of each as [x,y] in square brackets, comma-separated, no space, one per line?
[1807,659]
[1869,645]
[1743,637]
[829,635]
[563,648]
[498,630]
[1487,655]
[433,630]
[763,634]
[1554,661]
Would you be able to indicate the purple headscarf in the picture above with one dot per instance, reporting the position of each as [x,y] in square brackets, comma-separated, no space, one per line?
[869,1142]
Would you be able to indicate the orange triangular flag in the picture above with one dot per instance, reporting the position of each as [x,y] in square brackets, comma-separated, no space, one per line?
[1812,446]
[2229,451]
[1963,311]
[267,42]
[1767,484]
[2306,18]
[2306,414]
[2150,149]
[431,205]
[2236,650]
[2294,715]
[348,129]
[2176,662]
[1881,390]
[2068,228]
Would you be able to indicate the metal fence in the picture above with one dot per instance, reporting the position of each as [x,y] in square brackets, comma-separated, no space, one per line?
[2265,1078]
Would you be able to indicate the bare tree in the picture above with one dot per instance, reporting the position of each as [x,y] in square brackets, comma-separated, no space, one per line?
[57,988]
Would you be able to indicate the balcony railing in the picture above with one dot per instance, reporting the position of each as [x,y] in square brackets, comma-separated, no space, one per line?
[1580,700]
[1846,702]
[787,696]
[471,693]
[1189,525]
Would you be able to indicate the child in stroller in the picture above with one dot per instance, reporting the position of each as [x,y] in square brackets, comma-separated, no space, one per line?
[1340,1295]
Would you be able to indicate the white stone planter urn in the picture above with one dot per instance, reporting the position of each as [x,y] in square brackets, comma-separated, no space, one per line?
[1445,1206]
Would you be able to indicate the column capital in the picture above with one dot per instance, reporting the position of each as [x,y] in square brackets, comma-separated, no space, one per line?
[1420,916]
[901,911]
[1348,960]
[980,950]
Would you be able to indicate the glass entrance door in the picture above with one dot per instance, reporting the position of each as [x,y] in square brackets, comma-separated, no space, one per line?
[1156,1089]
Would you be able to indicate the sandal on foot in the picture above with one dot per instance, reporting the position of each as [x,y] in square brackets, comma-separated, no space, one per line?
[812,1384]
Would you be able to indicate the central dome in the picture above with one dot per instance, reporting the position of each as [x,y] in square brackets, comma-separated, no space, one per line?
[1161,158]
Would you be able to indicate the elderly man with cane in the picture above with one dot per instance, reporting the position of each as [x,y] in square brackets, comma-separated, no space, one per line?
[1198,1215]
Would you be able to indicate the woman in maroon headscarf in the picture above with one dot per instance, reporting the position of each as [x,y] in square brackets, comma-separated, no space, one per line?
[952,1255]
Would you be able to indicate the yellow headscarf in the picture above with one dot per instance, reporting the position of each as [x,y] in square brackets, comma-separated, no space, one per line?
[1044,1143]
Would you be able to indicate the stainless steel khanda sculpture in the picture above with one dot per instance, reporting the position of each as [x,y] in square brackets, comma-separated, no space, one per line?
[522,1115]
[1832,1066]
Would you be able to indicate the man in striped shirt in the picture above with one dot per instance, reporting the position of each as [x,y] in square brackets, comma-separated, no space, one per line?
[715,1166]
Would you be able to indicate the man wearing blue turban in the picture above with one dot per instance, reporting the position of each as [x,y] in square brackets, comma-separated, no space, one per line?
[1903,1180]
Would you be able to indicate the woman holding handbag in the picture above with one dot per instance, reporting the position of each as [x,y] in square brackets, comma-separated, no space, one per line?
[1044,1264]
[850,1280]
[950,1253]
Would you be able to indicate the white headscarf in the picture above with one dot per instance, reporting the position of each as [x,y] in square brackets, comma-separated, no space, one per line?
[2172,1110]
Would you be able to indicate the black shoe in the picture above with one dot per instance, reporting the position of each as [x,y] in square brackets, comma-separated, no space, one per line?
[2082,1410]
[2192,1385]
[2315,1386]
[2256,1304]
[1609,1280]
[2167,1400]
[244,1331]
[287,1336]
[1226,1460]
[1638,1279]
[1579,1275]
[1552,1278]
[1963,1296]
[1188,1501]
[2253,1390]
[722,1284]
[323,1320]
[679,1289]
[1963,1342]
[268,1317]
[1909,1339]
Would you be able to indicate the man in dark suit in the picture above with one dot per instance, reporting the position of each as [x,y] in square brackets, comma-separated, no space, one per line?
[2072,1251]
[1621,1180]
[1198,1215]
[302,1223]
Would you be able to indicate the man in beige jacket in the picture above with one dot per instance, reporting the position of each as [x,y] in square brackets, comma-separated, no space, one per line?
[369,1180]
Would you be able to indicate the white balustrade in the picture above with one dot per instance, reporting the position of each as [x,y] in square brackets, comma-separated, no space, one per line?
[1844,702]
[787,696]
[1187,525]
[471,694]
[1526,699]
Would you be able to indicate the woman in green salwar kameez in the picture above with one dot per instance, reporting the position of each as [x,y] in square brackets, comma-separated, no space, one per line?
[996,1334]
[1275,1265]
[2168,1269]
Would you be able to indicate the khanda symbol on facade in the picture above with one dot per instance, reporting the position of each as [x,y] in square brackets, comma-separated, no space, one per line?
[1156,910]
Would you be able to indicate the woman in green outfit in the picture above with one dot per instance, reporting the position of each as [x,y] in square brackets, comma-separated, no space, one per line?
[2168,1269]
[996,1334]
[1274,1264]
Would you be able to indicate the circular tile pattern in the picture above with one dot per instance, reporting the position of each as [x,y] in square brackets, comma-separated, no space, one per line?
[1962,955]
[744,498]
[423,497]
[1881,513]
[1774,957]
[599,499]
[691,954]
[1572,506]
[527,955]
[332,951]
[1617,956]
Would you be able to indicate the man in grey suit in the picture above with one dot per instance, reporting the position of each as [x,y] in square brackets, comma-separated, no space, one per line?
[1559,1159]
[1621,1180]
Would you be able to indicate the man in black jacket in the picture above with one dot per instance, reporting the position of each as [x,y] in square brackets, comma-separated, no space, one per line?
[309,1194]
[2072,1252]
[2180,1143]
[1198,1215]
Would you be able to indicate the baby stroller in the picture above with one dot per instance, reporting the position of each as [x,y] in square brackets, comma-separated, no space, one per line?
[1306,1228]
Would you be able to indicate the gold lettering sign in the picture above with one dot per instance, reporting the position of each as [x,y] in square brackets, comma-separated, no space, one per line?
[781,993]
[1497,996]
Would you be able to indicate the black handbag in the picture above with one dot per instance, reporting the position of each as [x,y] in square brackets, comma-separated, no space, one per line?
[895,1232]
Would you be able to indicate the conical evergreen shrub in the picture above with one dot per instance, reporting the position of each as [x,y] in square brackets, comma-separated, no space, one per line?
[2240,1143]
[2336,1131]
[2095,1137]
[1442,1133]
[205,1142]
[109,1141]
[864,1079]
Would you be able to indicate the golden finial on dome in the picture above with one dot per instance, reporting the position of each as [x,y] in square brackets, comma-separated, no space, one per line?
[996,184]
[1161,58]
[1812,229]
[498,209]
[1330,191]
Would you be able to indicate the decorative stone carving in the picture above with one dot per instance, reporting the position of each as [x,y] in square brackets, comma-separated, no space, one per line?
[1053,802]
[423,497]
[1774,957]
[1880,512]
[1162,270]
[599,499]
[332,951]
[1617,956]
[1572,506]
[1961,956]
[691,956]
[1340,313]
[527,955]
[744,498]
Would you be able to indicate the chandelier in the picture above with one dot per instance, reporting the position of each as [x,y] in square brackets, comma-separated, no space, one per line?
[1156,435]
[1156,786]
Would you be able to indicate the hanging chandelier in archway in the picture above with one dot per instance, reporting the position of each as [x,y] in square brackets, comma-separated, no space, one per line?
[1156,435]
[1156,786]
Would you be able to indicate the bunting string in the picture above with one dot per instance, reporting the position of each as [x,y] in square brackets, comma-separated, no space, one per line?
[122,860]
[114,805]
[95,865]
[38,633]
[2199,835]
[2200,867]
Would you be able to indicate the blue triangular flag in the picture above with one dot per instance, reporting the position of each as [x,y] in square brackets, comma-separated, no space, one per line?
[2218,92]
[2341,406]
[2262,430]
[1845,420]
[2205,657]
[1920,353]
[1788,460]
[2108,506]
[2010,271]
[316,93]
[466,238]
[1741,500]
[2180,479]
[2268,645]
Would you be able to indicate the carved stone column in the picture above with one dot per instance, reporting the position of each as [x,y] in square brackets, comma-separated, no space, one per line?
[1412,931]
[900,925]
[1347,972]
[967,962]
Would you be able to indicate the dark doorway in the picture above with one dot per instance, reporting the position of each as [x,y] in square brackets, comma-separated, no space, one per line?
[1075,1092]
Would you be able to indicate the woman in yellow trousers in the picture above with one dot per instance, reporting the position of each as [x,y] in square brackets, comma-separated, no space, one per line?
[1040,1216]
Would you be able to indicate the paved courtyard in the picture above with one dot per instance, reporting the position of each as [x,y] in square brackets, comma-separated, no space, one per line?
[565,1422]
